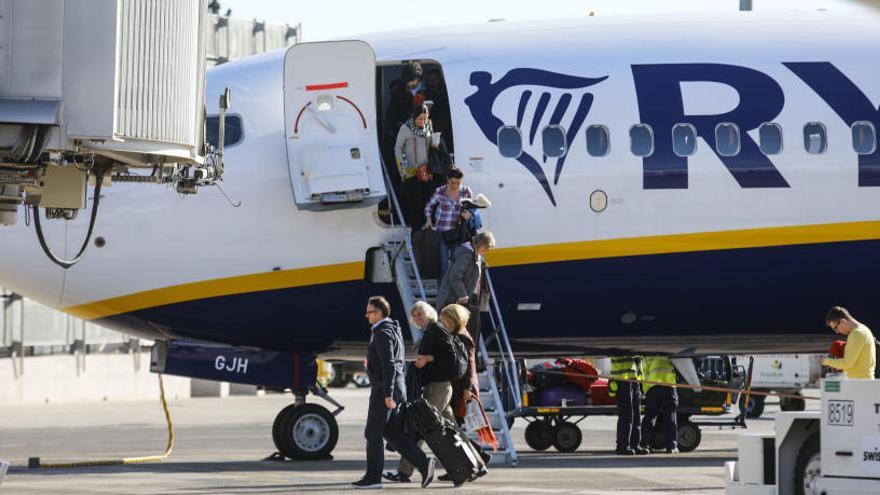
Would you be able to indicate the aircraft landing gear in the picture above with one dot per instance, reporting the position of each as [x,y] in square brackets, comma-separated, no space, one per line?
[304,431]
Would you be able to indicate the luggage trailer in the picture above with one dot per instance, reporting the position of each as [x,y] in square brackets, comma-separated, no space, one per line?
[557,426]
[833,451]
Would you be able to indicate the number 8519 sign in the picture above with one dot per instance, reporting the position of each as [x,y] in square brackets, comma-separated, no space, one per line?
[840,412]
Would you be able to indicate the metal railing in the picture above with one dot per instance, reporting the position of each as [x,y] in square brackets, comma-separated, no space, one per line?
[506,358]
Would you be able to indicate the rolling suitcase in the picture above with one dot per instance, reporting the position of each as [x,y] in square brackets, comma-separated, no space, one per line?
[451,447]
[426,244]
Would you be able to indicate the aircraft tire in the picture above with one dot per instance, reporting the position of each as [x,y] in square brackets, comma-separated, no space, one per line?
[539,435]
[276,427]
[567,437]
[689,437]
[305,432]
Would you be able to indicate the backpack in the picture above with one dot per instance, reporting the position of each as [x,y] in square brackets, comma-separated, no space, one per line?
[460,357]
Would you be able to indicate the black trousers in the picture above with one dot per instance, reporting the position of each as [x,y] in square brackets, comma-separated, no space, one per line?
[414,202]
[377,417]
[661,404]
[628,429]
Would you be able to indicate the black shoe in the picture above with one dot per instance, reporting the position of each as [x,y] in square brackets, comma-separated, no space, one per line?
[672,451]
[641,451]
[396,477]
[444,477]
[428,475]
[483,472]
[367,484]
[625,452]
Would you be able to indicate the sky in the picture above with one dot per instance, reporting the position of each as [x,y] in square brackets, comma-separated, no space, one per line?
[340,18]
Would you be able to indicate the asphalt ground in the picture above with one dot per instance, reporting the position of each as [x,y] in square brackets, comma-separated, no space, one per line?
[220,444]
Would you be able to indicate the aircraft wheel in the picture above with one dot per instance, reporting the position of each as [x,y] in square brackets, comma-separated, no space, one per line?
[539,435]
[808,467]
[689,437]
[305,431]
[568,437]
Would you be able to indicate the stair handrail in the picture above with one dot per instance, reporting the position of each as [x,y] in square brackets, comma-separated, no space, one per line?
[508,359]
[407,230]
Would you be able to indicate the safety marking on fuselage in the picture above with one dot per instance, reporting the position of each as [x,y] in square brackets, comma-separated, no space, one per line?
[513,256]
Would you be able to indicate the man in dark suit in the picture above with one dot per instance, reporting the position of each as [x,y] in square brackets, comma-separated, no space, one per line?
[385,368]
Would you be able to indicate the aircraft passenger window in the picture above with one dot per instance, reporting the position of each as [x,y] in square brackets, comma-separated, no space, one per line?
[727,139]
[864,136]
[509,141]
[815,138]
[770,137]
[597,140]
[234,132]
[641,140]
[684,139]
[553,137]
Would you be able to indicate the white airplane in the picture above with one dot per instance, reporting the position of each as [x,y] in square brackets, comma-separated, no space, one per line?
[690,184]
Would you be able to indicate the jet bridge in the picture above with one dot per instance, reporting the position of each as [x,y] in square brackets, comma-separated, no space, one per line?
[100,88]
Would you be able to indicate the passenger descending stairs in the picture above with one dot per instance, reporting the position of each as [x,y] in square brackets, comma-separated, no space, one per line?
[412,288]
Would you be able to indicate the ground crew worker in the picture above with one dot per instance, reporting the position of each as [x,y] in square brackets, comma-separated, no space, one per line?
[661,403]
[628,401]
[859,356]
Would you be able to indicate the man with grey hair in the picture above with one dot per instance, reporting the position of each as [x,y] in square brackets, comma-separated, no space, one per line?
[463,282]
[435,363]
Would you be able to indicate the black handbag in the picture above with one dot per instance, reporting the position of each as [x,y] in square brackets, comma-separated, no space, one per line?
[439,160]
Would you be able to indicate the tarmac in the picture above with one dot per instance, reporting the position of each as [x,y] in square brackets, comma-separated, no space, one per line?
[220,444]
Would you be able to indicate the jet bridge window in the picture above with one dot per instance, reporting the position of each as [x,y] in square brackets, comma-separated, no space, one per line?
[597,140]
[864,136]
[233,132]
[815,138]
[727,139]
[641,140]
[553,137]
[509,141]
[770,138]
[684,139]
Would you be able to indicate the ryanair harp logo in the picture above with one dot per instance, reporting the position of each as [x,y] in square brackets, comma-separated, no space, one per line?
[562,94]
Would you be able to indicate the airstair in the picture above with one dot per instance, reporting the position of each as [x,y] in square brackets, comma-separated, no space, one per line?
[499,378]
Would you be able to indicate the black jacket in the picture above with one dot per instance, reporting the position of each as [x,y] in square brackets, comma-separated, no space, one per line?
[385,360]
[435,342]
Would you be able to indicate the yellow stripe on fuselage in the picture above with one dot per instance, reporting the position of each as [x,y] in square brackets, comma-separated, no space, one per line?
[683,243]
[282,279]
[545,253]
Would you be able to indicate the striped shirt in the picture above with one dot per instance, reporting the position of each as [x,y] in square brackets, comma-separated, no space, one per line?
[448,210]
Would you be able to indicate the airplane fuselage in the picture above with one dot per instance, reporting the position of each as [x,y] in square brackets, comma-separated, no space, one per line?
[716,240]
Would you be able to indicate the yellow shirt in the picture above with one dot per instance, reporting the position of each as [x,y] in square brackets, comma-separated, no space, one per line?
[859,356]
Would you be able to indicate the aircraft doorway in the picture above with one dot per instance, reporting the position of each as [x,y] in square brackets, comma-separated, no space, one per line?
[397,99]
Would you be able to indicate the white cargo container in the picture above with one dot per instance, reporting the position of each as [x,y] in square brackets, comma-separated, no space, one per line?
[784,373]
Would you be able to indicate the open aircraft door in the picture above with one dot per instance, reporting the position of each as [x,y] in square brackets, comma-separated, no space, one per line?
[330,118]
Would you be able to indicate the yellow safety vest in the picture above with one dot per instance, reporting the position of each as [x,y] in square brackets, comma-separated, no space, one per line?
[658,369]
[624,368]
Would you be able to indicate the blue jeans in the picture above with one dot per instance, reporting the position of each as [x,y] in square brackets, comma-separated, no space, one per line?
[444,258]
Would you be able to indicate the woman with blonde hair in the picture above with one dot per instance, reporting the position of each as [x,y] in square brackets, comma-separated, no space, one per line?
[432,366]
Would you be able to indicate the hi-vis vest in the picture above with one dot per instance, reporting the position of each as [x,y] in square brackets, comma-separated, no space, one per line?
[624,368]
[657,369]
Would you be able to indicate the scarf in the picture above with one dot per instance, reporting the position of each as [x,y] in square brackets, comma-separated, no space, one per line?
[424,132]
